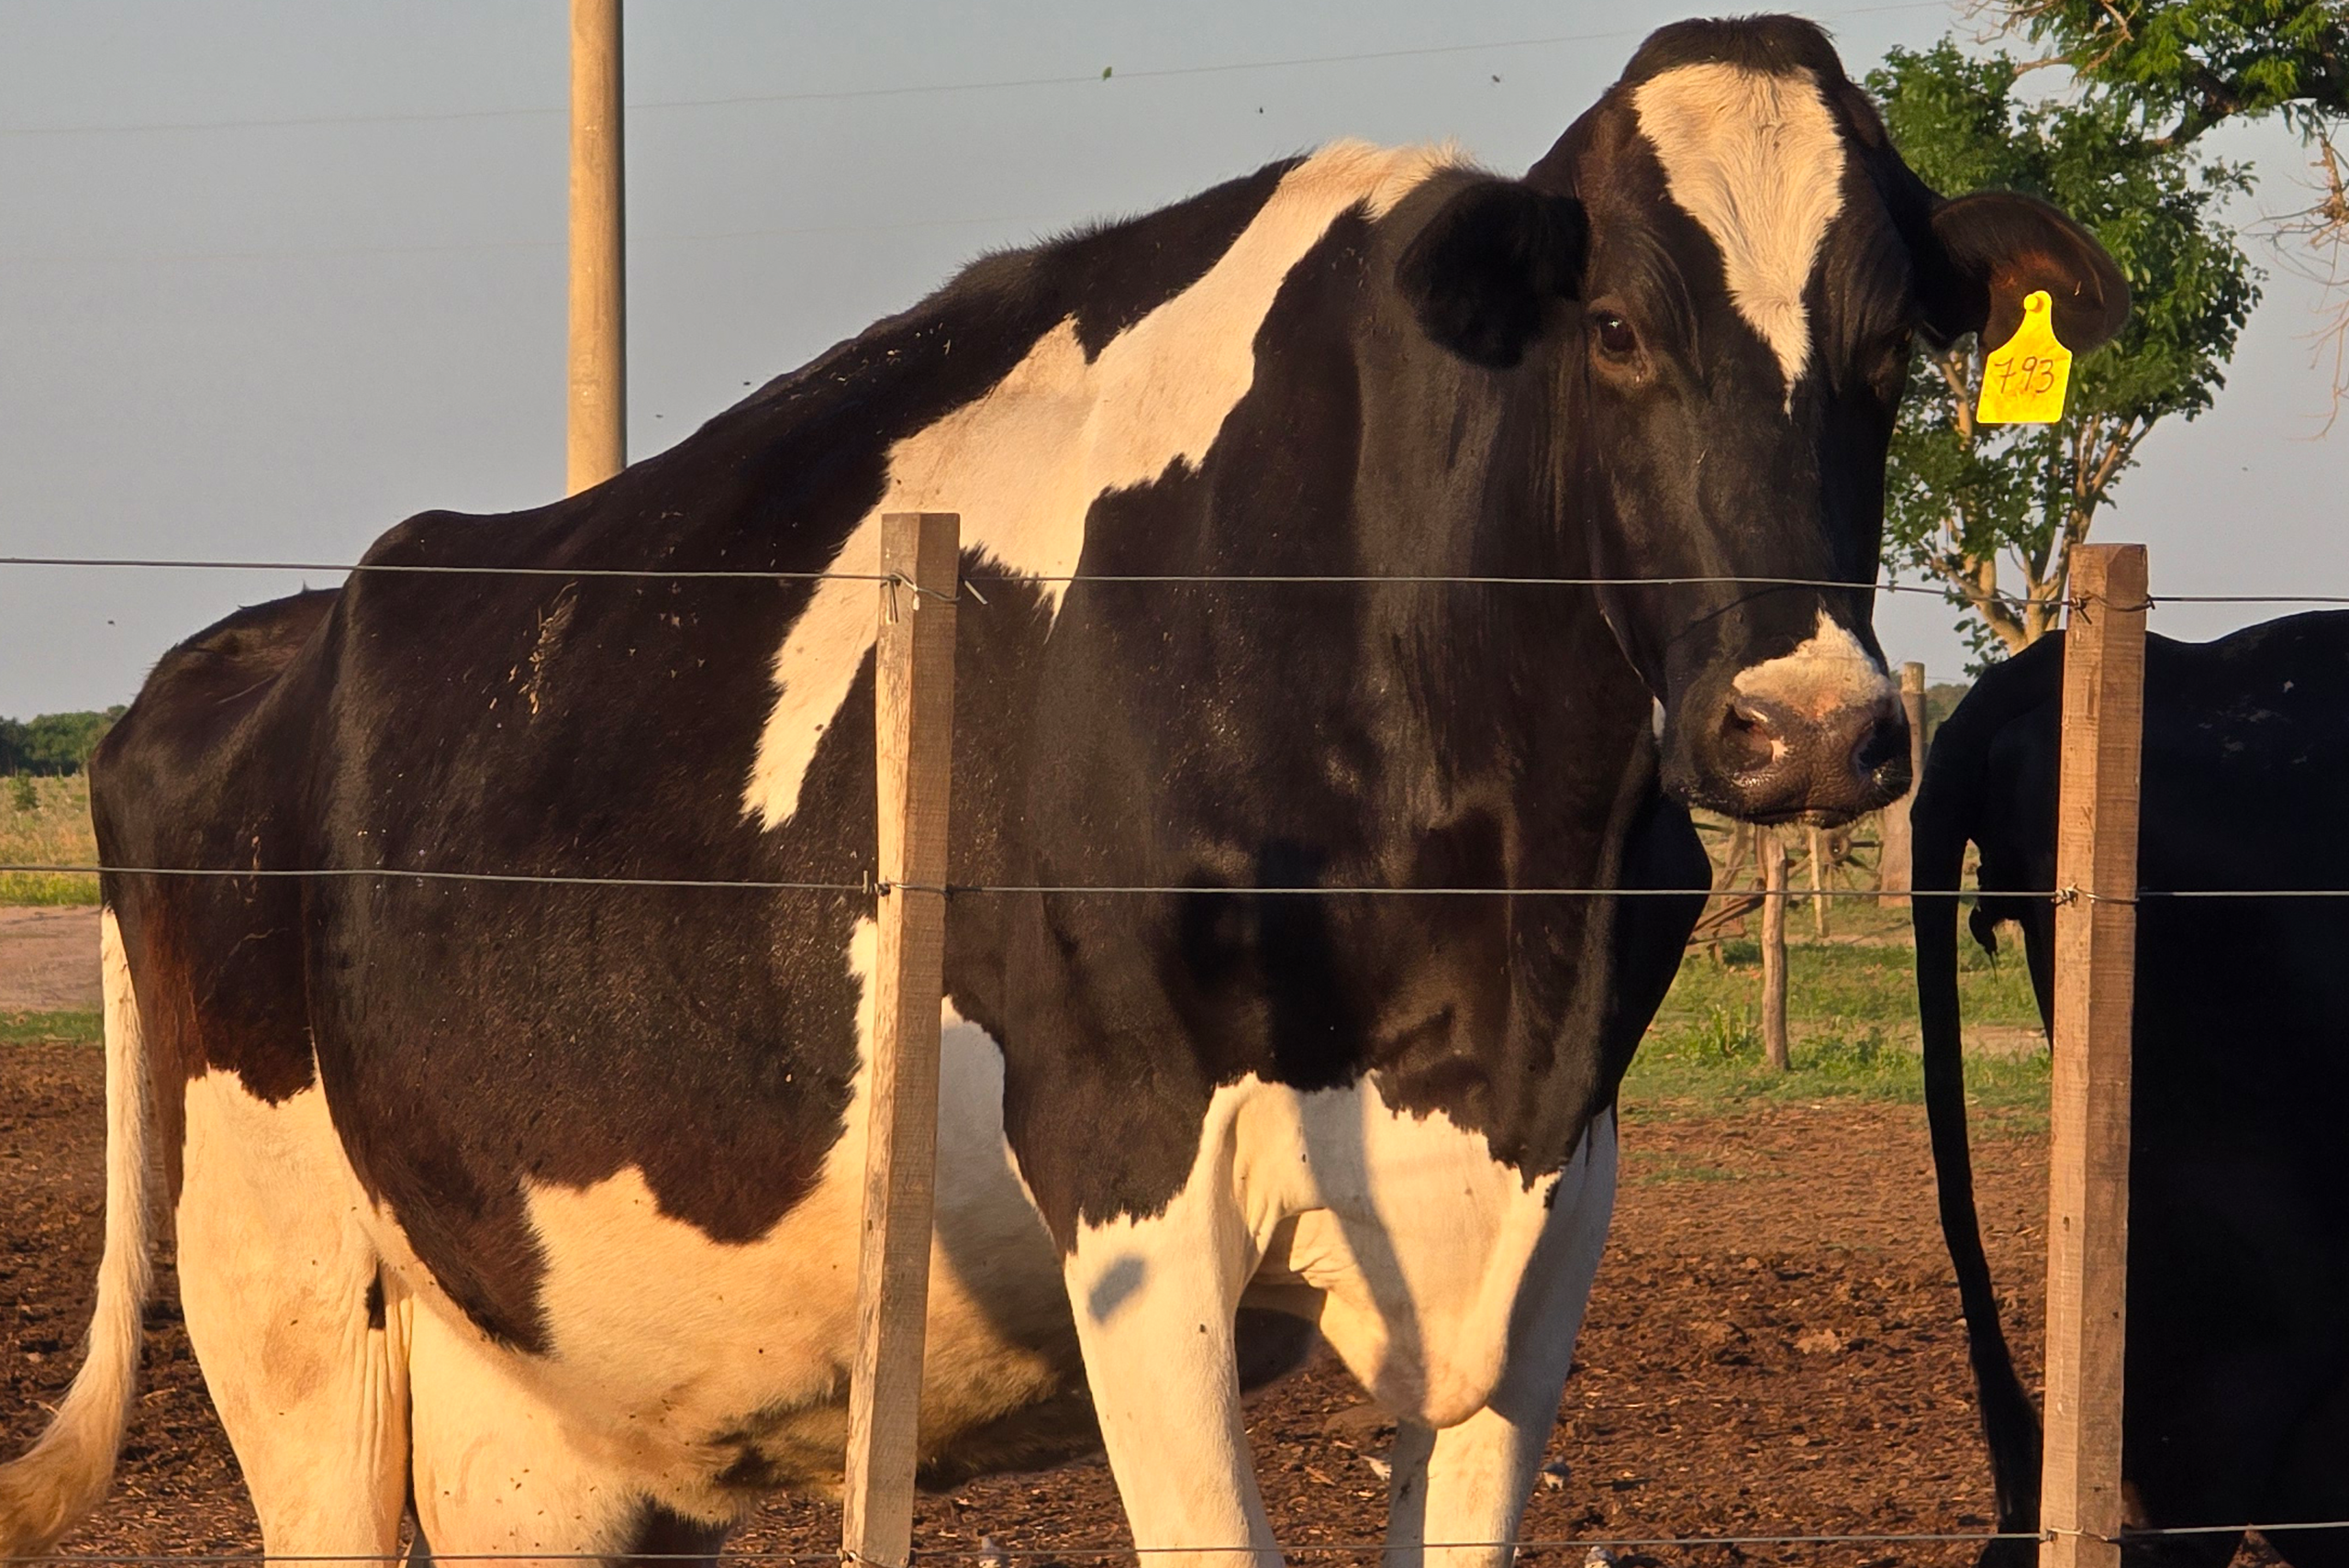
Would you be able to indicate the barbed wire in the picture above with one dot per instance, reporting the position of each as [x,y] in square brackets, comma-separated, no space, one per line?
[998,1552]
[838,94]
[882,888]
[1274,579]
[243,872]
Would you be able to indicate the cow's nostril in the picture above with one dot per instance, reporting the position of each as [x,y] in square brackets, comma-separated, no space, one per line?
[1750,737]
[1881,744]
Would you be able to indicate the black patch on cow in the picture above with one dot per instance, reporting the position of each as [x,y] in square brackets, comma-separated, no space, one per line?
[375,1301]
[1270,1345]
[1492,269]
[1776,44]
[217,960]
[661,1534]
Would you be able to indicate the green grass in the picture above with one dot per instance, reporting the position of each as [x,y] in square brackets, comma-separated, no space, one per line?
[1854,985]
[1659,1170]
[1851,1033]
[47,822]
[40,1028]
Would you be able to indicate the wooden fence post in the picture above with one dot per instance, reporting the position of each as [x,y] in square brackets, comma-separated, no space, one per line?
[1892,859]
[2095,950]
[1773,947]
[914,713]
[595,444]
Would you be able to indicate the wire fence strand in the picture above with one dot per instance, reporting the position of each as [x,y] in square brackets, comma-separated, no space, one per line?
[874,886]
[1231,579]
[995,1552]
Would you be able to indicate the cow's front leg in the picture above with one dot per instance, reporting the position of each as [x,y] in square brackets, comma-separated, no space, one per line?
[1455,1495]
[1154,1300]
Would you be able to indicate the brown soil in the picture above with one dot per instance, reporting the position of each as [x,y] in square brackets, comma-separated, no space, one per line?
[49,960]
[1774,1347]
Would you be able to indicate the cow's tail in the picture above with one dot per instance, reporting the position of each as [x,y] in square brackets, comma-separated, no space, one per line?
[1941,821]
[64,1474]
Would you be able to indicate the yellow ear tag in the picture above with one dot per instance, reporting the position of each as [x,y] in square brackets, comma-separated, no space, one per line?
[2024,382]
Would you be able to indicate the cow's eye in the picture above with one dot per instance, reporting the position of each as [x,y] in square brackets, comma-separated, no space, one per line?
[1615,335]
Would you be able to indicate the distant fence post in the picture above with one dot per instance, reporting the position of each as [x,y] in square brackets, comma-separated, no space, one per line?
[1815,845]
[1773,947]
[914,714]
[1892,859]
[2096,949]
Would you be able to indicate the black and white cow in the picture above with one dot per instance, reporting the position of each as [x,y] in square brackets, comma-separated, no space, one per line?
[536,1203]
[2235,1406]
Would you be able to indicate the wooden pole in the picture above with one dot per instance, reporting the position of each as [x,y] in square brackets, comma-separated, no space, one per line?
[2096,951]
[1774,948]
[1817,846]
[1892,861]
[597,444]
[914,712]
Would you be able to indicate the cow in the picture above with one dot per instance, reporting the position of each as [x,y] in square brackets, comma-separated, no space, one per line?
[535,1203]
[2235,1406]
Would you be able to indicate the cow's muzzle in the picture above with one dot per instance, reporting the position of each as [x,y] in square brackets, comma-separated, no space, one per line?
[1769,761]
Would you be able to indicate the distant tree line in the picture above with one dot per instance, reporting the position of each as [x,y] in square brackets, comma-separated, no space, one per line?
[54,743]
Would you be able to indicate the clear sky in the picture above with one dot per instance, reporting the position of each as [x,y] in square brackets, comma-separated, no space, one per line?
[275,274]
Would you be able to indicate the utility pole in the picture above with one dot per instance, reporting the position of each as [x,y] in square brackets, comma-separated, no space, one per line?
[596,446]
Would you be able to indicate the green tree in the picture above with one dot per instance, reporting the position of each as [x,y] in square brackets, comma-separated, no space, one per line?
[2189,66]
[2193,64]
[53,744]
[1968,504]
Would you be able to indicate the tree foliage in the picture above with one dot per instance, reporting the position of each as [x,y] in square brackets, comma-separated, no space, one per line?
[1965,503]
[2191,65]
[54,743]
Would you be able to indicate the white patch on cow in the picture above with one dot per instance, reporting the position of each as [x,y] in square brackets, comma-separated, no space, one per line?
[64,1475]
[661,1337]
[1756,159]
[1828,672]
[500,1471]
[1405,1234]
[275,1266]
[1024,462]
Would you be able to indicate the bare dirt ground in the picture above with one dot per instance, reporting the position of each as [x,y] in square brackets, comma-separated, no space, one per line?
[49,960]
[1775,1347]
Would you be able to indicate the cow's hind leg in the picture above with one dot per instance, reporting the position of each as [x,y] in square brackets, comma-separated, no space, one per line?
[1454,1495]
[303,1357]
[498,1473]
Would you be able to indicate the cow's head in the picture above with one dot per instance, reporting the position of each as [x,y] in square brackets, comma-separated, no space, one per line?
[1725,261]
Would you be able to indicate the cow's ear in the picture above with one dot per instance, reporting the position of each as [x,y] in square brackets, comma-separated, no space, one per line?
[1485,275]
[1993,248]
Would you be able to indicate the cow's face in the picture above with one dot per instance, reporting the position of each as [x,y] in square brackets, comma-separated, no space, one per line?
[1726,262]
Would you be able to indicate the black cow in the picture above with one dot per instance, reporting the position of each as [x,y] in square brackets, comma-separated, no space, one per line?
[2236,1401]
[536,1202]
